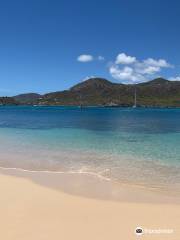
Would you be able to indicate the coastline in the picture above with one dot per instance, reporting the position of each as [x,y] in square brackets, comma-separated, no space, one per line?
[95,186]
[34,207]
[76,106]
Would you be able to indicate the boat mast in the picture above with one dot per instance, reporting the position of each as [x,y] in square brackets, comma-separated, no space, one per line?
[135,97]
[80,98]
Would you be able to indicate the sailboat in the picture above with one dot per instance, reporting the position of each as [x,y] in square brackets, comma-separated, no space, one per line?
[80,105]
[135,98]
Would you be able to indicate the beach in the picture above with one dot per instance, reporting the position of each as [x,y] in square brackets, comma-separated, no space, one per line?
[32,210]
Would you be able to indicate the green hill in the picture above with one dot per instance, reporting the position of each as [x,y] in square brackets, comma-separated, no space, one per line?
[101,92]
[97,91]
[28,98]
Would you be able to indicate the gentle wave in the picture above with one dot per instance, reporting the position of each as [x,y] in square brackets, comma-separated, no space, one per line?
[58,172]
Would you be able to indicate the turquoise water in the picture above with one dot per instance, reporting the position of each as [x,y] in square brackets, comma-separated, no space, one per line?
[130,145]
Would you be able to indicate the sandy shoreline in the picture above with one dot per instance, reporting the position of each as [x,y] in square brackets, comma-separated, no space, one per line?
[33,207]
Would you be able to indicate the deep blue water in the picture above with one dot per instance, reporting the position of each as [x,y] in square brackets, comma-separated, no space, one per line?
[142,120]
[122,143]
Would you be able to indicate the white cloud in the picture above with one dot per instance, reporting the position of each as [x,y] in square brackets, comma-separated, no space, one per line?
[145,69]
[177,78]
[122,58]
[85,58]
[89,58]
[101,58]
[126,74]
[157,63]
[140,70]
[86,78]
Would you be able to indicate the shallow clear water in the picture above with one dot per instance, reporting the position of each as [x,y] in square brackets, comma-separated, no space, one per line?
[124,144]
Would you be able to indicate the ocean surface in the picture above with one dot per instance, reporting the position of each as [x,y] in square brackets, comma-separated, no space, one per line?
[138,146]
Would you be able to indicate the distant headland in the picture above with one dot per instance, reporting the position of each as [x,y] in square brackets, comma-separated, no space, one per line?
[101,92]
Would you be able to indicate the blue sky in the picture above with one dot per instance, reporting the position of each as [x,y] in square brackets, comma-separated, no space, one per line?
[49,45]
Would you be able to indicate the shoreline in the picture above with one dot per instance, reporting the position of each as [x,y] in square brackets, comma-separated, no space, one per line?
[96,106]
[83,183]
[148,175]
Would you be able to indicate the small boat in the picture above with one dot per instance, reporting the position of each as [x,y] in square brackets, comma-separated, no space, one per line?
[80,106]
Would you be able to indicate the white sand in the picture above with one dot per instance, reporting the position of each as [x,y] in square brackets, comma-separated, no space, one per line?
[29,211]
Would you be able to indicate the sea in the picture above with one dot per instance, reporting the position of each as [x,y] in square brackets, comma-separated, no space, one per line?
[126,145]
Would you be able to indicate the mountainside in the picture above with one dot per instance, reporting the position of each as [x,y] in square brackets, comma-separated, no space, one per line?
[93,84]
[27,98]
[97,91]
[101,92]
[8,101]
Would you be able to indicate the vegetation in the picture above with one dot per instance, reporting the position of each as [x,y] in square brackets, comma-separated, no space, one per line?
[101,92]
[8,101]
